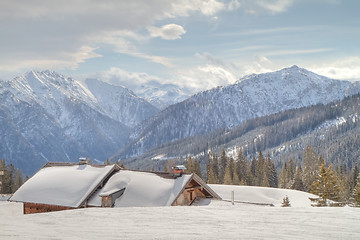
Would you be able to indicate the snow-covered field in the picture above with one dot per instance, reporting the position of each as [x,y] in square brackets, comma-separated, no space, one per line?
[263,195]
[219,220]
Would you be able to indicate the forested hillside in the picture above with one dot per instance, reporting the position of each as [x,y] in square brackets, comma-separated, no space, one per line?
[332,130]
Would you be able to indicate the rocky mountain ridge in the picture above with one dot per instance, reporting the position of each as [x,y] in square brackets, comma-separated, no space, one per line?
[252,96]
[49,117]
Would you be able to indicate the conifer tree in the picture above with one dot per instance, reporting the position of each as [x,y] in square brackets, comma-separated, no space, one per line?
[3,175]
[291,170]
[18,180]
[265,180]
[189,165]
[273,177]
[208,166]
[227,175]
[269,178]
[242,166]
[231,164]
[6,178]
[298,183]
[354,176]
[235,179]
[259,170]
[284,178]
[286,202]
[196,168]
[325,185]
[253,171]
[222,166]
[356,194]
[344,185]
[249,178]
[311,167]
[215,164]
[211,178]
[320,160]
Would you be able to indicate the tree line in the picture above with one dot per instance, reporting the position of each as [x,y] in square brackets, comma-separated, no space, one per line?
[312,175]
[11,179]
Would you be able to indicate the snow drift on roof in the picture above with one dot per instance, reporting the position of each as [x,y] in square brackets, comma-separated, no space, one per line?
[142,189]
[62,185]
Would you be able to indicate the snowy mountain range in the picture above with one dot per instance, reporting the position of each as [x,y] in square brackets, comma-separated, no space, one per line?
[45,116]
[152,89]
[162,95]
[252,96]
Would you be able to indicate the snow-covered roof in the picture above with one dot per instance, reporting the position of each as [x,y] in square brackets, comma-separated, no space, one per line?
[62,185]
[142,189]
[181,167]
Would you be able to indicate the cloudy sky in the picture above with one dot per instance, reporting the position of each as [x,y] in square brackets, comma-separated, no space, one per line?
[193,43]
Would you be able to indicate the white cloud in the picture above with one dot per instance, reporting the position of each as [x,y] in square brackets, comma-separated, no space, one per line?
[36,32]
[297,51]
[259,64]
[275,6]
[211,7]
[126,42]
[120,77]
[233,5]
[210,59]
[195,79]
[58,60]
[343,69]
[213,73]
[257,6]
[204,77]
[167,32]
[206,7]
[199,78]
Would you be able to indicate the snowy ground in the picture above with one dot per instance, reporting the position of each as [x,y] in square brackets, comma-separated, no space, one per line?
[263,195]
[219,220]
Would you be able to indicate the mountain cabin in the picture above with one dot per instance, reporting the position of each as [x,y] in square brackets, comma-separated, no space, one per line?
[62,186]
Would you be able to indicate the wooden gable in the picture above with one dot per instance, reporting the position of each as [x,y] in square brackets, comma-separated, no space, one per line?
[195,189]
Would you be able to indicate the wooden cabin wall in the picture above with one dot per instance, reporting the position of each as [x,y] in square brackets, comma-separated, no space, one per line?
[30,208]
[189,194]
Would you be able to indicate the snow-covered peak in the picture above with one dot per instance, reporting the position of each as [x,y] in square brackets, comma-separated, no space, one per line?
[291,73]
[295,85]
[293,68]
[102,88]
[253,96]
[120,103]
[49,85]
[54,92]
